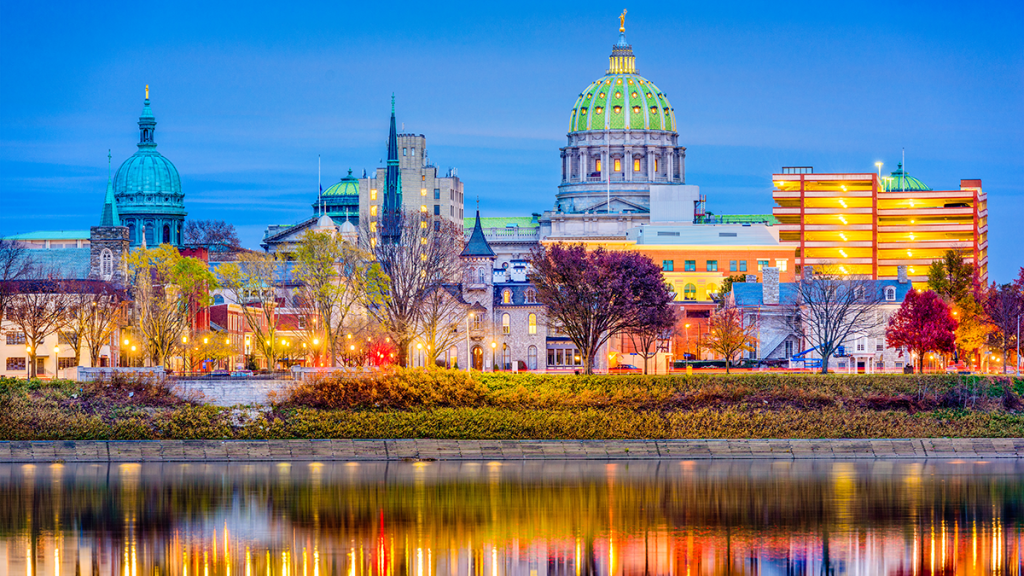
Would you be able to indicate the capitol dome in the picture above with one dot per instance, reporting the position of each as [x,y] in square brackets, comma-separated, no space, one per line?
[622,99]
[348,186]
[148,190]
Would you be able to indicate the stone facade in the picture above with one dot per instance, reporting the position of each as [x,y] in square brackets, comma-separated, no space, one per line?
[108,254]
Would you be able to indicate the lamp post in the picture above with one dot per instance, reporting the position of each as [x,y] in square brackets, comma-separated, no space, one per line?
[469,359]
[56,361]
[494,359]
[184,354]
[686,354]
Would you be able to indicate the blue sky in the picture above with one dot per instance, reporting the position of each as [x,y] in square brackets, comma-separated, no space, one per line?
[247,95]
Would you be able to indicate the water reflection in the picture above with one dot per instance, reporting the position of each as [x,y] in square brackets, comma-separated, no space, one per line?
[553,518]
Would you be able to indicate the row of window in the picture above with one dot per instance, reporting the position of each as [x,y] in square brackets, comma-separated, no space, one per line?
[564,357]
[618,165]
[506,296]
[506,324]
[712,265]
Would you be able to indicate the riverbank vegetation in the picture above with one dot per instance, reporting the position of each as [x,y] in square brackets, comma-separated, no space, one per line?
[446,404]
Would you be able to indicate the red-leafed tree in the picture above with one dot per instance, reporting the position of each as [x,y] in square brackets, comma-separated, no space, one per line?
[594,295]
[1004,306]
[923,324]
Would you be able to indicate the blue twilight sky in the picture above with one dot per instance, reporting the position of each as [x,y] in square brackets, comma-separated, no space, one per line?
[247,95]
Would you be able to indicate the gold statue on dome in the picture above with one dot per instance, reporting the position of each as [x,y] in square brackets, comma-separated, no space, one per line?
[147,91]
[622,21]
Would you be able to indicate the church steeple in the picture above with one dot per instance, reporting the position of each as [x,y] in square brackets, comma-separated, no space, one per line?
[391,227]
[110,216]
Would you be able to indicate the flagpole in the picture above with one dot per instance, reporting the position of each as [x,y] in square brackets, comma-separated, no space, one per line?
[320,186]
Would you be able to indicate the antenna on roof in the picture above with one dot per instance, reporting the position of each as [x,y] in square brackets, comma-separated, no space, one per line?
[903,177]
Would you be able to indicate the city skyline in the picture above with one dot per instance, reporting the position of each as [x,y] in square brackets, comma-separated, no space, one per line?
[245,104]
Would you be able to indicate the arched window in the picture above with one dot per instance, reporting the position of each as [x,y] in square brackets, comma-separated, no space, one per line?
[531,296]
[689,292]
[218,299]
[533,324]
[506,324]
[506,357]
[167,234]
[453,357]
[890,294]
[531,358]
[478,358]
[480,275]
[150,239]
[106,264]
[506,296]
[712,291]
[131,232]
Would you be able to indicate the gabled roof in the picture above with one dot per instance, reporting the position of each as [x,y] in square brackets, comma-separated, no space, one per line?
[477,247]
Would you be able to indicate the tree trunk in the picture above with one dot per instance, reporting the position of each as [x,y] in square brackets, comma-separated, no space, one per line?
[32,364]
[726,364]
[824,363]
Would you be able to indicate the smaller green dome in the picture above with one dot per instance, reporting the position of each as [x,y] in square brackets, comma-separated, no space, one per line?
[900,181]
[349,186]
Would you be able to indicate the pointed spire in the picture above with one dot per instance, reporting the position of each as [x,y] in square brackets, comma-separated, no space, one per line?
[147,125]
[392,201]
[477,247]
[110,216]
[622,60]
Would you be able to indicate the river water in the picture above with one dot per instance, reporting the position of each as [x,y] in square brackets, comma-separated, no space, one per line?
[496,518]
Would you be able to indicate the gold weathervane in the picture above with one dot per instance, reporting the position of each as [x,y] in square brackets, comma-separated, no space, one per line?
[147,91]
[622,21]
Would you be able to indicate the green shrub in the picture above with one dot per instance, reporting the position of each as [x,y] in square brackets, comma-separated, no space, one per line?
[392,388]
[191,422]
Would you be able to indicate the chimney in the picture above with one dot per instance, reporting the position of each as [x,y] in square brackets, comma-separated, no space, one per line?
[750,279]
[901,274]
[770,285]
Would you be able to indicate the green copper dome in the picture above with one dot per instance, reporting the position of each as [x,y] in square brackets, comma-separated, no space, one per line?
[622,99]
[147,190]
[900,181]
[349,186]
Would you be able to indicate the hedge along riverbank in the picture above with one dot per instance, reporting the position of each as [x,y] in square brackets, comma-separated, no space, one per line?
[447,404]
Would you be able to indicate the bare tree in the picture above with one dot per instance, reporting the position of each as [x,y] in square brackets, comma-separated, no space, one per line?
[211,233]
[15,264]
[252,282]
[443,310]
[423,258]
[94,314]
[831,307]
[39,308]
[656,325]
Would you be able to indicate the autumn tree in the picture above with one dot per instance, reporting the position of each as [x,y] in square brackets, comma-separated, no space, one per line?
[973,326]
[830,306]
[655,325]
[335,276]
[1004,306]
[922,324]
[443,309]
[595,295]
[252,282]
[39,308]
[422,258]
[953,278]
[728,336]
[168,289]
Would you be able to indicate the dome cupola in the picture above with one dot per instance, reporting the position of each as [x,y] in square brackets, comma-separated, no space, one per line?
[147,188]
[900,181]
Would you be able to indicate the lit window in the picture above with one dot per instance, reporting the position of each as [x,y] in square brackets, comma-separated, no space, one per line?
[601,95]
[373,226]
[423,207]
[618,165]
[373,194]
[423,224]
[636,109]
[373,210]
[423,241]
[780,263]
[373,242]
[598,164]
[618,109]
[423,191]
[506,324]
[506,297]
[618,94]
[598,110]
[689,292]
[655,164]
[532,324]
[633,94]
[762,264]
[636,165]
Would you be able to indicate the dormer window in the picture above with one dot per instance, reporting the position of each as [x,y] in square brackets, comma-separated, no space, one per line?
[506,297]
[531,296]
[890,294]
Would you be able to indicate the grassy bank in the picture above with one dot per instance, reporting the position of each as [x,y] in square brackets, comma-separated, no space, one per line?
[441,404]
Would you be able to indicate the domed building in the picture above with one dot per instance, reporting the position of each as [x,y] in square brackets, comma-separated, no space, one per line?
[148,191]
[622,138]
[341,201]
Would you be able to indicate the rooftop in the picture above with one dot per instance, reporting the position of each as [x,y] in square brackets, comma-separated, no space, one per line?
[52,235]
[705,234]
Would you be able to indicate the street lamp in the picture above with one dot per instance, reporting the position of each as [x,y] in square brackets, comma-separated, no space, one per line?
[494,358]
[879,165]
